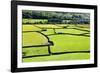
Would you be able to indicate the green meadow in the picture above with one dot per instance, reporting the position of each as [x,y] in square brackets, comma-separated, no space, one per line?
[65,37]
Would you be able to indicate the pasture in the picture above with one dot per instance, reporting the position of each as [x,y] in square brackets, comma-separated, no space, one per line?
[53,42]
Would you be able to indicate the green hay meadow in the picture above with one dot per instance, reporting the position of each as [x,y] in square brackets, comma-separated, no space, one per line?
[66,42]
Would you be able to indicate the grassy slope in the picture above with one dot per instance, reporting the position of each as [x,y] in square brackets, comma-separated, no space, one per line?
[73,31]
[33,38]
[62,43]
[27,27]
[38,39]
[35,51]
[75,56]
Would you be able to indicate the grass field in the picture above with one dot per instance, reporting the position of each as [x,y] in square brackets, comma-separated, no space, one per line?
[65,38]
[33,21]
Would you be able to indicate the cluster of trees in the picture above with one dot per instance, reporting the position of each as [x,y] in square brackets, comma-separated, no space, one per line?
[57,17]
